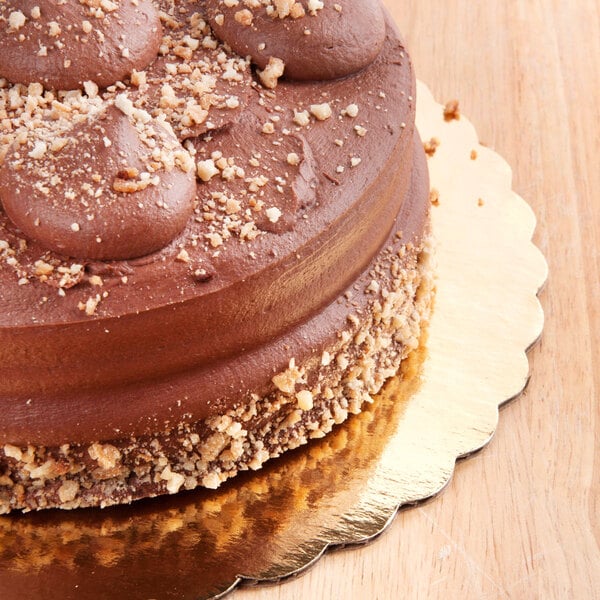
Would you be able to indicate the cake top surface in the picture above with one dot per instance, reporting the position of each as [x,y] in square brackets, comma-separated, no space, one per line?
[142,161]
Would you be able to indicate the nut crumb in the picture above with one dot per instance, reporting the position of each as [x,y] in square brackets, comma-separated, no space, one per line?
[305,400]
[273,214]
[321,112]
[268,128]
[244,17]
[452,111]
[183,256]
[301,118]
[272,72]
[293,159]
[431,146]
[350,111]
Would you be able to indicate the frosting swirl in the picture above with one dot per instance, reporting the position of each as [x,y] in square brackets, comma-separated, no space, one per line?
[64,44]
[315,41]
[107,189]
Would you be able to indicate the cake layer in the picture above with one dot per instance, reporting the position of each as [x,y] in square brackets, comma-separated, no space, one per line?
[180,335]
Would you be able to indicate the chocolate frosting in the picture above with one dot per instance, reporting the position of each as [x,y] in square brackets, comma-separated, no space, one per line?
[340,39]
[198,84]
[127,199]
[288,188]
[64,44]
[257,276]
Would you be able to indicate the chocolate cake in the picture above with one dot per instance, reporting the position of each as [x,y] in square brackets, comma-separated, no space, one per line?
[213,237]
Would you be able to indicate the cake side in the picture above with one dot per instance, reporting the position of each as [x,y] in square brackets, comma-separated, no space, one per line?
[305,402]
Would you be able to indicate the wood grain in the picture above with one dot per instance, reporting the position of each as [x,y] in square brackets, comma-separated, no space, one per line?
[522,518]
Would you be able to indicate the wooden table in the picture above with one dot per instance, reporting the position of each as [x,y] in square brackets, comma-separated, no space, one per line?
[522,518]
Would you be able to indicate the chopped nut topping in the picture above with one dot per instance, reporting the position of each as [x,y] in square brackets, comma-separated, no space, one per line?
[90,305]
[268,128]
[305,400]
[281,9]
[16,20]
[273,214]
[183,256]
[286,381]
[322,112]
[293,159]
[106,455]
[301,118]
[314,6]
[272,72]
[68,491]
[244,17]
[206,169]
[96,281]
[43,268]
[431,146]
[351,111]
[452,111]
